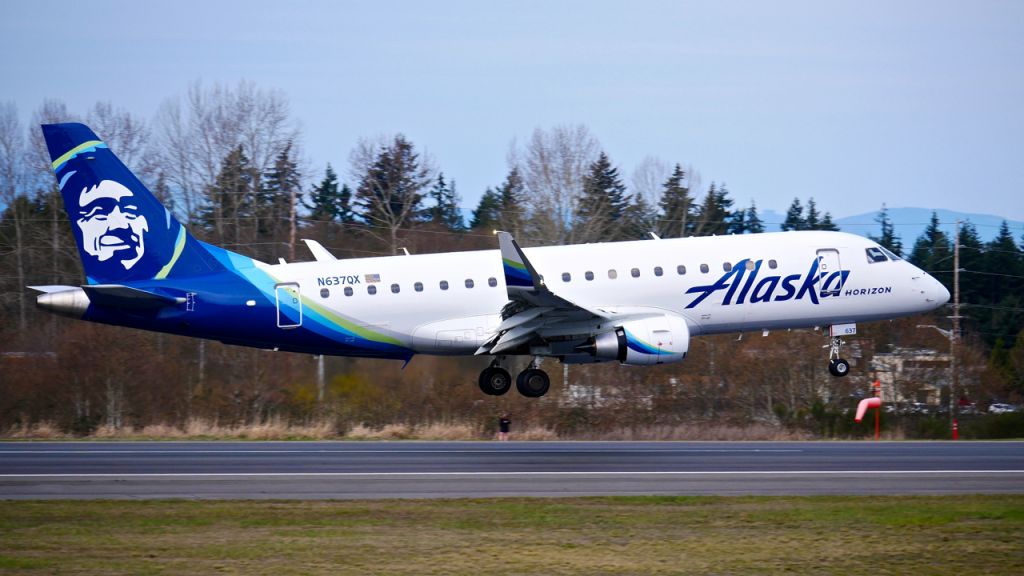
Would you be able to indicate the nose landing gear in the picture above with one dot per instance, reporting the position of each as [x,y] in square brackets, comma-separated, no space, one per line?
[837,366]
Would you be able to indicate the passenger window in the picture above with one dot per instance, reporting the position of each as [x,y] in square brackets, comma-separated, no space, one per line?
[469,283]
[418,286]
[681,269]
[726,266]
[325,293]
[492,281]
[635,272]
[773,264]
[750,265]
[444,284]
[612,274]
[875,255]
[371,289]
[348,290]
[588,275]
[704,268]
[395,289]
[566,277]
[658,271]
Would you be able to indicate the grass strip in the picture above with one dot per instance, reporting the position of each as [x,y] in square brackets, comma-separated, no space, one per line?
[625,535]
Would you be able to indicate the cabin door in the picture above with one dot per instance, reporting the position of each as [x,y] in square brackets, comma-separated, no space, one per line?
[830,273]
[289,305]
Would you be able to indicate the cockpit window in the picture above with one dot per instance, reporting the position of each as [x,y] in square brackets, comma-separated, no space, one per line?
[891,256]
[875,254]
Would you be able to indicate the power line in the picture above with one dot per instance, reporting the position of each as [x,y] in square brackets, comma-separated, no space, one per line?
[990,307]
[991,273]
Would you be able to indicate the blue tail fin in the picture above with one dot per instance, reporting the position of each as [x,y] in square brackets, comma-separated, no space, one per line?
[122,230]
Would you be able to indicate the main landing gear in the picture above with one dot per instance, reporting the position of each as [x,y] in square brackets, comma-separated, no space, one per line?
[532,382]
[837,366]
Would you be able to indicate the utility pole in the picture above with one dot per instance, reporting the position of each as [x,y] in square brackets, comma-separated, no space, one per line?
[954,400]
[320,380]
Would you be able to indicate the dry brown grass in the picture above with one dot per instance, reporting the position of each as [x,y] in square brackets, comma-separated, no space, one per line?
[700,431]
[328,429]
[38,431]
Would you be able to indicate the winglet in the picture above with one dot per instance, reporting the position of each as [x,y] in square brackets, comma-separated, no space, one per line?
[519,273]
[319,252]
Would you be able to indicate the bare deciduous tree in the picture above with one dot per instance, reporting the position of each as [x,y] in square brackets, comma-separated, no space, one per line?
[126,134]
[41,178]
[11,188]
[648,177]
[553,163]
[193,142]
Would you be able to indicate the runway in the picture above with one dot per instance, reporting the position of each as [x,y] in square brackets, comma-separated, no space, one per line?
[348,470]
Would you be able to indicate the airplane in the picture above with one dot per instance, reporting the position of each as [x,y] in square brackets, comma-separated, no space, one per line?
[634,302]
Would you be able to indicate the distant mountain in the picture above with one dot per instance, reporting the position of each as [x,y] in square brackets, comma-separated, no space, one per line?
[909,223]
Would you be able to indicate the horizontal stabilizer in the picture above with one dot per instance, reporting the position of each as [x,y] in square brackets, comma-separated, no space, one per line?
[126,297]
[50,289]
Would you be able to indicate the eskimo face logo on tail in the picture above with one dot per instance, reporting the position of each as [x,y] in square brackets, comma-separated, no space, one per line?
[111,224]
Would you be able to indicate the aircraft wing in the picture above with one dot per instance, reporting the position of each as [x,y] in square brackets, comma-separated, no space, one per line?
[532,308]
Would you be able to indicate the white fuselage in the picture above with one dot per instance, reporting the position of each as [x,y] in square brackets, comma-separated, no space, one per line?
[783,285]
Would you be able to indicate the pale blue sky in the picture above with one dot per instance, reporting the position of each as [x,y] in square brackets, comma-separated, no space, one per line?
[854,103]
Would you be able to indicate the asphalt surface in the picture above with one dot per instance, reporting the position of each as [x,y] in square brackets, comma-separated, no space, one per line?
[345,470]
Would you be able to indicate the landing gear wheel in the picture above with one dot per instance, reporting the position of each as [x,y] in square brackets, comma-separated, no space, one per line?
[839,367]
[533,383]
[495,381]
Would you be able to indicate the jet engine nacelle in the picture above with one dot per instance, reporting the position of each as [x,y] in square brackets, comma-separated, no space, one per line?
[657,340]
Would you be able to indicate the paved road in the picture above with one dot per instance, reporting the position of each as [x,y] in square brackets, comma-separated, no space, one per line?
[484,469]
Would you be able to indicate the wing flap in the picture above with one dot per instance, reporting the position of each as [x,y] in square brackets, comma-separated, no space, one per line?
[533,306]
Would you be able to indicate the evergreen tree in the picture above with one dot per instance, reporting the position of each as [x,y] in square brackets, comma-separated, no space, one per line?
[639,219]
[827,223]
[327,203]
[812,221]
[675,205]
[230,203]
[511,195]
[277,201]
[794,217]
[488,211]
[713,215]
[932,252]
[971,261]
[445,208]
[738,222]
[1003,268]
[602,204]
[754,224]
[389,195]
[888,239]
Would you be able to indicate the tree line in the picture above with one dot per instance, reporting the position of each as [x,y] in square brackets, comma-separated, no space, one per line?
[230,162]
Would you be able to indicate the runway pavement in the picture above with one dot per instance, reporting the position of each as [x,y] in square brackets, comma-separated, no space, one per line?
[33,470]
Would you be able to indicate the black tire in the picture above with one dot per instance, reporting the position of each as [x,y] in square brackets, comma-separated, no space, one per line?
[533,383]
[839,367]
[495,381]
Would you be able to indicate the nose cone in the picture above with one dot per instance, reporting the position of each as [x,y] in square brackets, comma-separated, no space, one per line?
[939,295]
